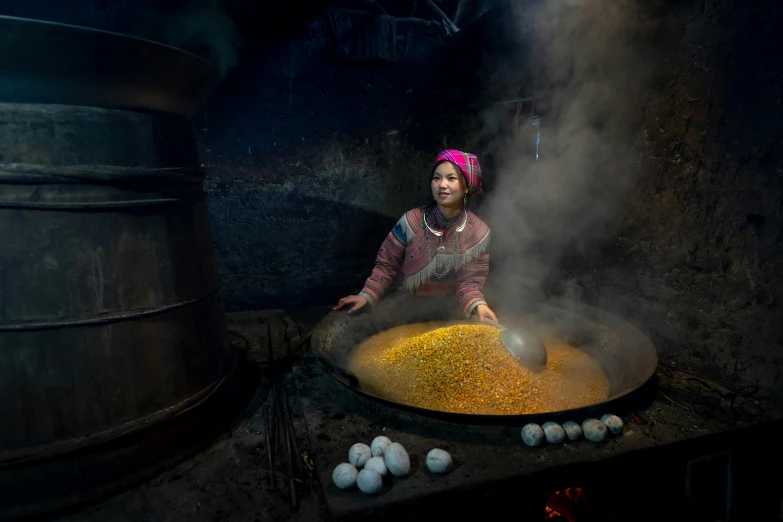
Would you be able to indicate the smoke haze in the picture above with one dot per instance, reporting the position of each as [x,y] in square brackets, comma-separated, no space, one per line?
[592,61]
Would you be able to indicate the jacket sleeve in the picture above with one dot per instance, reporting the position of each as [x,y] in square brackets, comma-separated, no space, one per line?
[388,263]
[470,282]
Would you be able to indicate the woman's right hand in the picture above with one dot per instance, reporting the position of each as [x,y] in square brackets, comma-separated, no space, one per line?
[357,301]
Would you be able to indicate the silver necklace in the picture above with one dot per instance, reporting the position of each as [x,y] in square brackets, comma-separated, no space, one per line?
[444,262]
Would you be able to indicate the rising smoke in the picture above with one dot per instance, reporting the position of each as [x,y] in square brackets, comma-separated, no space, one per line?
[592,61]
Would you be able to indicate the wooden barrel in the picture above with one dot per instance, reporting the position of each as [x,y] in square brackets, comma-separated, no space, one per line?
[114,361]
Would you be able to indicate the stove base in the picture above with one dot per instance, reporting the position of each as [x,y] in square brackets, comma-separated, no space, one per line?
[661,469]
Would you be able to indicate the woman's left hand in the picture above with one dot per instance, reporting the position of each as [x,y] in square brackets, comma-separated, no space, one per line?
[483,312]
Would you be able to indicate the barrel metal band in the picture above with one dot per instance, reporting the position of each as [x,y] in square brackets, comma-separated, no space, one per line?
[97,205]
[105,319]
[186,183]
[31,174]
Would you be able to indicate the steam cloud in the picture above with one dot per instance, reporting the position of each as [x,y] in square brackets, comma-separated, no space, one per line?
[592,61]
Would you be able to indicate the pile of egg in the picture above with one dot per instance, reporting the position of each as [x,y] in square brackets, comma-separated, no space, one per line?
[368,465]
[593,430]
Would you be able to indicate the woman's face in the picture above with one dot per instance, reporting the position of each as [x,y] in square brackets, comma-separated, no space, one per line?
[447,186]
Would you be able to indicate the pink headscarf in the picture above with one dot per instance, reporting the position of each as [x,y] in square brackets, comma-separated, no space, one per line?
[468,164]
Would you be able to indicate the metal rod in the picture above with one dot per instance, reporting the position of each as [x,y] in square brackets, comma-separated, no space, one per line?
[440,13]
[292,428]
[516,116]
[269,447]
[276,424]
[286,434]
[518,100]
[290,464]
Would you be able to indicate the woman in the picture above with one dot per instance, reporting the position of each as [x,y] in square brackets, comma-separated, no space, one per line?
[439,249]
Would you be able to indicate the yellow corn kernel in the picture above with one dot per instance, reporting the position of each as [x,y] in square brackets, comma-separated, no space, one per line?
[465,368]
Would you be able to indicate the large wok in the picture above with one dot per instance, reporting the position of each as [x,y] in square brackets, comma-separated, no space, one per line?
[626,355]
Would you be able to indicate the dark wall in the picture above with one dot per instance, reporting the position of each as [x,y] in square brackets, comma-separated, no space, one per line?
[312,160]
[698,257]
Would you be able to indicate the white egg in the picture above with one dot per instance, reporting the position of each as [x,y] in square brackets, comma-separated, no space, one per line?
[554,433]
[438,461]
[378,445]
[359,454]
[613,422]
[344,476]
[573,430]
[369,481]
[376,464]
[532,434]
[594,430]
[397,460]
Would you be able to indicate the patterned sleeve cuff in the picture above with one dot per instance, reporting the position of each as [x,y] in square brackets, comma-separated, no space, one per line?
[370,299]
[472,308]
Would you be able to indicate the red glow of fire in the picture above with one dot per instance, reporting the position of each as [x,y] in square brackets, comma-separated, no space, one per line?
[561,504]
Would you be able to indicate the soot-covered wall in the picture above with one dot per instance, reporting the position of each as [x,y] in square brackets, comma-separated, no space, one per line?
[698,255]
[311,160]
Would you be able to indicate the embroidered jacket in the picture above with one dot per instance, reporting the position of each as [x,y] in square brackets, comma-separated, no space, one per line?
[411,252]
